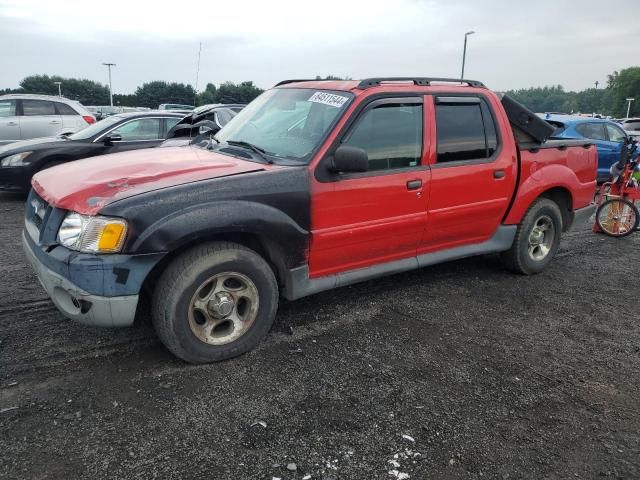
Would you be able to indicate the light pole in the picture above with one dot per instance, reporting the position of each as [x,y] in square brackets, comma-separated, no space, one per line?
[464,52]
[59,88]
[109,65]
[629,100]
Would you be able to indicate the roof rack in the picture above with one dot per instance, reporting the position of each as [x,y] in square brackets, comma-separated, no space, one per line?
[295,80]
[424,81]
[374,82]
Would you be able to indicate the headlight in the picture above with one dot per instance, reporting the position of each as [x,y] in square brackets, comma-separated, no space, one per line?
[16,160]
[92,234]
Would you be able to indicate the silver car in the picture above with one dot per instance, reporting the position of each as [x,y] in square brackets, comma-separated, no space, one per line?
[23,117]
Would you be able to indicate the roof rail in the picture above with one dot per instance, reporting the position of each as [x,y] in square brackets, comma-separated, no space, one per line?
[424,81]
[295,80]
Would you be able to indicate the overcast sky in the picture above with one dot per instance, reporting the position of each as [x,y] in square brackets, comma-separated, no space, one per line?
[516,44]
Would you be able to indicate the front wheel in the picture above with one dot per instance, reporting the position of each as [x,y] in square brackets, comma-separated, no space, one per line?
[537,239]
[214,302]
[617,217]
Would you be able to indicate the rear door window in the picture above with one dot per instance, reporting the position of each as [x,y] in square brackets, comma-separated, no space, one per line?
[7,108]
[465,131]
[615,134]
[592,131]
[34,108]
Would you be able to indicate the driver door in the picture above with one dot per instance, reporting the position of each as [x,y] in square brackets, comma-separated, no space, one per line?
[365,219]
[136,134]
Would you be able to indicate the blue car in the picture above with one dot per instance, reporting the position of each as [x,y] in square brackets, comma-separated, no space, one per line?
[607,135]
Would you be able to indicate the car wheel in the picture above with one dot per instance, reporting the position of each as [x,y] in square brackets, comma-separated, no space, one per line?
[537,239]
[214,302]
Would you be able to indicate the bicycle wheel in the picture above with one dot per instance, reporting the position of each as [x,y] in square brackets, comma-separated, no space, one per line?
[617,217]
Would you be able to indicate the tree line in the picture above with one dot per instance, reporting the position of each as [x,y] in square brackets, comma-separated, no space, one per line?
[610,100]
[150,94]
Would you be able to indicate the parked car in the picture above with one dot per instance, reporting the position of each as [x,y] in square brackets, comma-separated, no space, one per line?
[23,117]
[630,124]
[381,176]
[19,161]
[607,135]
[176,107]
[204,120]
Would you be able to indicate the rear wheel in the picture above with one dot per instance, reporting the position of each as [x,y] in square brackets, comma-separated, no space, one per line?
[214,302]
[617,217]
[537,239]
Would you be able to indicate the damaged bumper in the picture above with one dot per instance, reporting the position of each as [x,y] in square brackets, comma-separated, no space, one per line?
[91,289]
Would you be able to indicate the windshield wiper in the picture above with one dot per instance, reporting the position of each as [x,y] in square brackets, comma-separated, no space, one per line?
[254,148]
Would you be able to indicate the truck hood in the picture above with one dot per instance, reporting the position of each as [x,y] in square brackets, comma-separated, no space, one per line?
[86,186]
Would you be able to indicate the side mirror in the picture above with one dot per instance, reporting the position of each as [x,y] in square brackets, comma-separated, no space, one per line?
[350,159]
[110,139]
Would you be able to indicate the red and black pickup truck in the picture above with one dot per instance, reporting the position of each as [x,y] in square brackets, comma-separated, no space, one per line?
[314,185]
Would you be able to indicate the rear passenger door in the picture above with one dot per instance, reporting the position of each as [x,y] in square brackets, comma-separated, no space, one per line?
[472,175]
[9,122]
[39,119]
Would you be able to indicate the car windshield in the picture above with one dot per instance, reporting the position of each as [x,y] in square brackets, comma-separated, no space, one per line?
[94,129]
[287,123]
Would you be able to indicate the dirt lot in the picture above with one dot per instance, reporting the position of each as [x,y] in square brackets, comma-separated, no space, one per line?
[456,371]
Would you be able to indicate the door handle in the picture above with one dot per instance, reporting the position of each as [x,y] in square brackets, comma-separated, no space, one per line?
[414,184]
[498,174]
[12,124]
[54,122]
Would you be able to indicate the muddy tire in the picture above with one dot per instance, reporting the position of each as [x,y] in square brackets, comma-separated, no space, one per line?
[214,302]
[537,239]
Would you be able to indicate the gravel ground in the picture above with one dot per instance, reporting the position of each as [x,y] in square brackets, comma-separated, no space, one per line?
[456,371]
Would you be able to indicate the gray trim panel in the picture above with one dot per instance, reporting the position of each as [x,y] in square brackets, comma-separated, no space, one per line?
[299,284]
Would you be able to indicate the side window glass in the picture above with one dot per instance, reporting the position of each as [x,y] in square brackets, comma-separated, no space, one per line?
[490,130]
[7,108]
[390,134]
[64,109]
[592,131]
[615,134]
[143,129]
[171,122]
[31,108]
[461,132]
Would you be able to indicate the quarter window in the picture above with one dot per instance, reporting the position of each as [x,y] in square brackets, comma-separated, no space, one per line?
[7,108]
[615,134]
[64,109]
[465,131]
[31,108]
[143,129]
[391,135]
[592,131]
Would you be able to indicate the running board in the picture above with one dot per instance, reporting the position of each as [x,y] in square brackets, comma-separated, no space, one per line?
[299,284]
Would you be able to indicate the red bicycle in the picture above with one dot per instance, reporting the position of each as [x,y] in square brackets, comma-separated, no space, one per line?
[617,214]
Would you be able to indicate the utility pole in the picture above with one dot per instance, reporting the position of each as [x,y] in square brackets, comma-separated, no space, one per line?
[59,88]
[109,65]
[464,52]
[195,100]
[629,100]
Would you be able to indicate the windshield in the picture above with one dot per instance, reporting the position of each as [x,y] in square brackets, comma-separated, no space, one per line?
[287,123]
[94,129]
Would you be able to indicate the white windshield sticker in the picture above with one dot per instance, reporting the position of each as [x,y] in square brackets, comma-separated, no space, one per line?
[329,99]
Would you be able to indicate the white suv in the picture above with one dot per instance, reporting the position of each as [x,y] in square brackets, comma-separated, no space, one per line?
[23,117]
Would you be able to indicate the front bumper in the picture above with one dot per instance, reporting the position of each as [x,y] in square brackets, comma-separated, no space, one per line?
[90,305]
